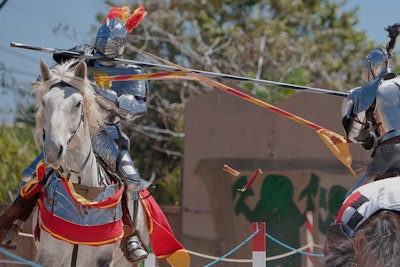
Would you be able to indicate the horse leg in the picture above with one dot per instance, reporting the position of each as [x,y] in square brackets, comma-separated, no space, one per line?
[96,256]
[52,252]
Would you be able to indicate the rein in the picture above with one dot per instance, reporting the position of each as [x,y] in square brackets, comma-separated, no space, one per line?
[82,118]
[61,171]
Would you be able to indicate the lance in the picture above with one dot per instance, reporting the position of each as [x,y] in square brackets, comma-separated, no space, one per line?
[336,143]
[167,67]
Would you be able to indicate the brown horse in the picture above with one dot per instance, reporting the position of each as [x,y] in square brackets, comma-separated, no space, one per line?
[367,229]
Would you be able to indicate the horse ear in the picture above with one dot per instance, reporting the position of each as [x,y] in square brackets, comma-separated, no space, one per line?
[44,71]
[81,70]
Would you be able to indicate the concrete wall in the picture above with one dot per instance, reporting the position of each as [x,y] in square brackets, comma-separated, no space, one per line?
[299,173]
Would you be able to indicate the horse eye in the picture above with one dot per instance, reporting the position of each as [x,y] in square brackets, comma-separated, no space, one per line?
[44,105]
[78,104]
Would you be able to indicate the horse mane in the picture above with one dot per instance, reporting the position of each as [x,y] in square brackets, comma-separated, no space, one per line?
[376,243]
[94,115]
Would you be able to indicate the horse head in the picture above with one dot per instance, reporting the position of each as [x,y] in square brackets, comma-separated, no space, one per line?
[65,99]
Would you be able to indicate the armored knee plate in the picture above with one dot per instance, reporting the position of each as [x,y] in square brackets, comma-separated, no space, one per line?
[118,160]
[105,147]
[126,168]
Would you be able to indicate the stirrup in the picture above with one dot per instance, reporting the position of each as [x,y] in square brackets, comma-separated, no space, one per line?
[11,237]
[133,249]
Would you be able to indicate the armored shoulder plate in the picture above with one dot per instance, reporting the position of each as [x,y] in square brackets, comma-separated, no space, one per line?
[138,89]
[364,96]
[387,108]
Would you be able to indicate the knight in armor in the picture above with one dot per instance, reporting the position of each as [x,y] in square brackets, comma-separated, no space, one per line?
[371,113]
[125,101]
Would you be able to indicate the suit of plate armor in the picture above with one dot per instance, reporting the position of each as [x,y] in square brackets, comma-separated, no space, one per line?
[125,100]
[371,116]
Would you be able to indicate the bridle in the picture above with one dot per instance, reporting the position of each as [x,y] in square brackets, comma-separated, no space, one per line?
[81,119]
[61,171]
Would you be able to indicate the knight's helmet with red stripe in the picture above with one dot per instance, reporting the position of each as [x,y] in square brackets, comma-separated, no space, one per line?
[111,36]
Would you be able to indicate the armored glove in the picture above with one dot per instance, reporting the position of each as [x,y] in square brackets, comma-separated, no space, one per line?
[367,139]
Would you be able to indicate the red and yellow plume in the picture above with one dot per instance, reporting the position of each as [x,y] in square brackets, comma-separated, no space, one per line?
[134,20]
[123,14]
[118,12]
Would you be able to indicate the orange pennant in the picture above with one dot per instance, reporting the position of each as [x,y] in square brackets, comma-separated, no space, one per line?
[336,143]
[105,81]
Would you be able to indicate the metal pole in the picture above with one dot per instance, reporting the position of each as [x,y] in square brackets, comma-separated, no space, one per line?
[205,73]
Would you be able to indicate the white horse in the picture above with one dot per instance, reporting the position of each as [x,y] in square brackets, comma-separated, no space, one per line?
[67,117]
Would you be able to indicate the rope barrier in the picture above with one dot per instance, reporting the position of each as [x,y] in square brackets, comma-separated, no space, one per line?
[12,262]
[293,249]
[235,249]
[287,254]
[224,258]
[271,258]
[205,256]
[18,258]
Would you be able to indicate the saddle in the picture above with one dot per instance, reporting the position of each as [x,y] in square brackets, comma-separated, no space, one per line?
[383,194]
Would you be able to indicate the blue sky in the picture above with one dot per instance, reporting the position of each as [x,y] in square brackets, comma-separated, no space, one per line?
[33,22]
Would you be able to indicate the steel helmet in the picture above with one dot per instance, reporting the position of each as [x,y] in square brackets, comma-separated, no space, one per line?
[111,36]
[376,65]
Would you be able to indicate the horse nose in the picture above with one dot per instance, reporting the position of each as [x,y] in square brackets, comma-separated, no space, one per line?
[60,152]
[53,152]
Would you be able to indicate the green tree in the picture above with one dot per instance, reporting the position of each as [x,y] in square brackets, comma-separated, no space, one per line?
[18,149]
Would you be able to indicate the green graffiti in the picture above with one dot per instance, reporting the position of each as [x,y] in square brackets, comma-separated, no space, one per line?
[331,204]
[310,192]
[276,207]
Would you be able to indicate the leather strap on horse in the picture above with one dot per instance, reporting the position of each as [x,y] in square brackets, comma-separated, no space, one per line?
[129,229]
[126,218]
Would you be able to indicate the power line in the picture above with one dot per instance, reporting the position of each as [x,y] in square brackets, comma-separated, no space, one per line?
[9,50]
[3,3]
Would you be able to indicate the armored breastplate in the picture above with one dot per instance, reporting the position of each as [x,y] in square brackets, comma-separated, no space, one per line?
[135,88]
[81,214]
[63,200]
[387,109]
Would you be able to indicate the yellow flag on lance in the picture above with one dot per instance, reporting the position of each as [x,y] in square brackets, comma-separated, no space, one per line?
[336,143]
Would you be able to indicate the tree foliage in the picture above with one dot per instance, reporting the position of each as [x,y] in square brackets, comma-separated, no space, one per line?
[18,149]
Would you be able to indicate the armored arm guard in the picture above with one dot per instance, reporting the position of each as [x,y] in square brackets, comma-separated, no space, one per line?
[130,107]
[127,107]
[107,99]
[127,99]
[358,118]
